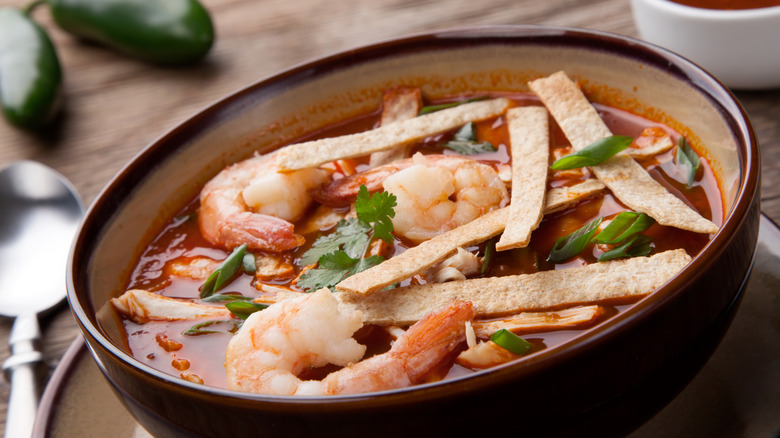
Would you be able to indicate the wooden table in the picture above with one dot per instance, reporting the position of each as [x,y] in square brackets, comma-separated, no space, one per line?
[115,106]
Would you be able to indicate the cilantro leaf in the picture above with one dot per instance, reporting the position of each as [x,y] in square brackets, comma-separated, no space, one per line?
[465,141]
[366,263]
[351,234]
[340,253]
[377,210]
[332,269]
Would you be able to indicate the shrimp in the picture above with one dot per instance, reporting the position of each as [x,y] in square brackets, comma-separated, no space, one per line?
[278,343]
[249,202]
[423,186]
[424,193]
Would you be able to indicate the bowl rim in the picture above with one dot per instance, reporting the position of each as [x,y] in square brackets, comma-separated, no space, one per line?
[696,13]
[594,40]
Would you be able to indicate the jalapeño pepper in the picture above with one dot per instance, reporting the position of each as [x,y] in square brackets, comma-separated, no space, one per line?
[168,32]
[30,74]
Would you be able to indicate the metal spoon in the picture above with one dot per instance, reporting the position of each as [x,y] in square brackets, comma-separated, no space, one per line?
[39,212]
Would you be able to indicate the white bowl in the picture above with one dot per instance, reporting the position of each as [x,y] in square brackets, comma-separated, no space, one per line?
[739,47]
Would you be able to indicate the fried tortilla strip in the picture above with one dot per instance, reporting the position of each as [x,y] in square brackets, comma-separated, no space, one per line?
[421,257]
[397,104]
[651,142]
[495,296]
[561,198]
[530,144]
[314,153]
[528,322]
[626,178]
[142,306]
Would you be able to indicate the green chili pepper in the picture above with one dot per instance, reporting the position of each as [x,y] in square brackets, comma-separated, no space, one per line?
[168,32]
[30,75]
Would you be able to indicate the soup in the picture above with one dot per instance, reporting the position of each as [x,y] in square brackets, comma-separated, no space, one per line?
[431,190]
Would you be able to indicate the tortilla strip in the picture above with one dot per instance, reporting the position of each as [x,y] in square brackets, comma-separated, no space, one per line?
[527,322]
[397,104]
[530,144]
[314,153]
[494,296]
[654,147]
[626,178]
[421,257]
[142,306]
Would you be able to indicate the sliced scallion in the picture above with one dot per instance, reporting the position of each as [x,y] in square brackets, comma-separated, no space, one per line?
[200,329]
[243,309]
[510,341]
[225,298]
[686,156]
[593,154]
[569,246]
[490,251]
[248,263]
[224,273]
[433,108]
[623,226]
[637,246]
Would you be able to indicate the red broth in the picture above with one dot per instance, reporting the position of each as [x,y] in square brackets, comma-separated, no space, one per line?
[200,358]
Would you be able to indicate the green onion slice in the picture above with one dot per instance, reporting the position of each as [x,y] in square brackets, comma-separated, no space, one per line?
[465,142]
[593,154]
[490,251]
[510,341]
[243,309]
[569,246]
[225,298]
[433,108]
[224,273]
[248,263]
[687,157]
[200,329]
[623,226]
[637,246]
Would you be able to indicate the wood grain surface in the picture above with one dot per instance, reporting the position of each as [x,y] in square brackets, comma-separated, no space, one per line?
[114,106]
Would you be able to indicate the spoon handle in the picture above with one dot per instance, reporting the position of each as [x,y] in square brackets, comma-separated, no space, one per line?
[22,371]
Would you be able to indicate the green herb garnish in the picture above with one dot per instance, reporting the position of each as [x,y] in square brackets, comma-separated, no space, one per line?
[687,157]
[593,154]
[637,246]
[224,273]
[433,108]
[465,142]
[490,252]
[510,341]
[248,263]
[377,210]
[569,246]
[342,253]
[199,329]
[225,298]
[623,226]
[350,236]
[243,309]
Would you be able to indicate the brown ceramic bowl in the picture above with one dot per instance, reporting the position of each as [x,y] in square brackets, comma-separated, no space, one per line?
[605,382]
